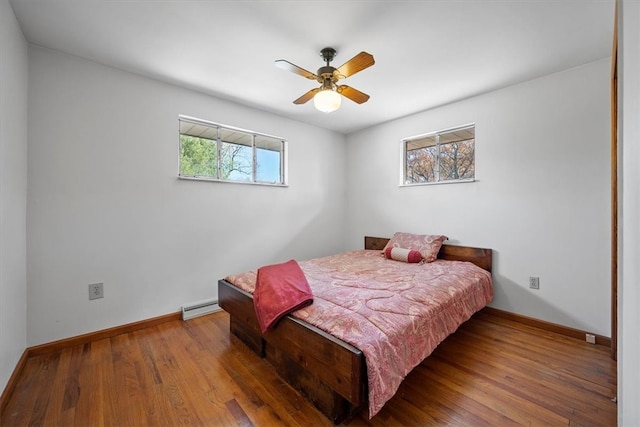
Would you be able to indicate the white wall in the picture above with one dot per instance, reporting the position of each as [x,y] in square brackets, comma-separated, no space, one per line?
[13,192]
[629,245]
[541,199]
[104,203]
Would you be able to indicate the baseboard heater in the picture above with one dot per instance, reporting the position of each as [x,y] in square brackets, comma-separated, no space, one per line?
[199,308]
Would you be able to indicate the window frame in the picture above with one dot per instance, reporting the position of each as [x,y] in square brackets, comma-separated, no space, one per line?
[219,141]
[437,134]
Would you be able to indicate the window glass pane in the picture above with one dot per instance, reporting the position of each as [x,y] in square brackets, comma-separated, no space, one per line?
[236,137]
[236,155]
[199,130]
[268,159]
[457,135]
[198,156]
[457,159]
[236,162]
[421,142]
[421,165]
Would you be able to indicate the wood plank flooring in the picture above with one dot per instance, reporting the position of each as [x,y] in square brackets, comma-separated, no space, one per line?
[491,372]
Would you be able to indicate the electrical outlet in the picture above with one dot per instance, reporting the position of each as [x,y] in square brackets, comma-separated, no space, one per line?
[96,290]
[534,282]
[590,338]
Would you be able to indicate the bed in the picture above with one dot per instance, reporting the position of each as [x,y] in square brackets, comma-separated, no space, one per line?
[329,371]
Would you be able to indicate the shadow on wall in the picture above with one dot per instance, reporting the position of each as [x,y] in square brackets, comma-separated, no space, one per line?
[506,291]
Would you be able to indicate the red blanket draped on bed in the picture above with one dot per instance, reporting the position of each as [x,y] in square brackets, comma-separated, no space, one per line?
[280,289]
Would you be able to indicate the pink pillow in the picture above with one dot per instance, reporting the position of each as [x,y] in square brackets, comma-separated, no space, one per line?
[401,254]
[427,245]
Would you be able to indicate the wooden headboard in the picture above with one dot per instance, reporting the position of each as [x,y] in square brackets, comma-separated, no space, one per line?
[478,256]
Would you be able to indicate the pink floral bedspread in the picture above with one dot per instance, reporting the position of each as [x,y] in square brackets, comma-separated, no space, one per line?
[395,313]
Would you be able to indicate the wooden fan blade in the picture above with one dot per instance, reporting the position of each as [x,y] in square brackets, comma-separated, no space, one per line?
[356,64]
[307,96]
[286,65]
[353,94]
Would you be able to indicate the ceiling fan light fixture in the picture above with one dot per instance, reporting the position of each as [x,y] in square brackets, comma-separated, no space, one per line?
[327,100]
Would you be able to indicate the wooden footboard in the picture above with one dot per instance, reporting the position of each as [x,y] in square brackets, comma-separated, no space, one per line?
[328,371]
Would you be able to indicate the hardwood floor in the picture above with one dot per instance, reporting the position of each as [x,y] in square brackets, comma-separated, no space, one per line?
[491,372]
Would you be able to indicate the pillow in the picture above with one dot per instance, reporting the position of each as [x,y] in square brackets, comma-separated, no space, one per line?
[401,254]
[427,245]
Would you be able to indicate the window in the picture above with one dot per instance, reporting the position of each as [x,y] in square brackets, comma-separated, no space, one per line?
[210,151]
[445,156]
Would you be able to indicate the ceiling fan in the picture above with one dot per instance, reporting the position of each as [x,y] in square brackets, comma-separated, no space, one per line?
[327,97]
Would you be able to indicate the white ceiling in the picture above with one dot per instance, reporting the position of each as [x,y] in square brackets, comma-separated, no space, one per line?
[428,53]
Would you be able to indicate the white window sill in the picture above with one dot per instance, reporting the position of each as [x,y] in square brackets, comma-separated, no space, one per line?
[453,181]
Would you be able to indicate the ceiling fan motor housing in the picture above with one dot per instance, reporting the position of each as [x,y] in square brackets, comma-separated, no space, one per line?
[327,72]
